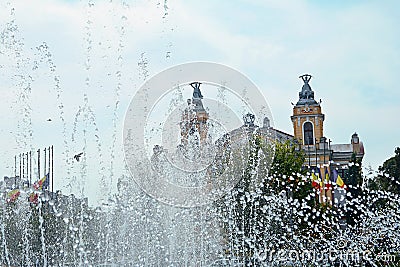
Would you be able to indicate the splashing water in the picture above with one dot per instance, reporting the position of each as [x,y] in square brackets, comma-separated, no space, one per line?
[267,219]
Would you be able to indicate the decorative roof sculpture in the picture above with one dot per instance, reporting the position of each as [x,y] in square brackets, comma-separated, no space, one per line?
[306,96]
[196,90]
[197,97]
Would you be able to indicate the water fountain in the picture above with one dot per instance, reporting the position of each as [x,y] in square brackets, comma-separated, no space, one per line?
[252,216]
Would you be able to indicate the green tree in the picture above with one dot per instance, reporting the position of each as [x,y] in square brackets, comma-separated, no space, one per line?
[289,175]
[286,176]
[389,179]
[286,170]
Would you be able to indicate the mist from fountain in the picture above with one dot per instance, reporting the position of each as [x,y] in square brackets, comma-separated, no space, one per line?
[248,226]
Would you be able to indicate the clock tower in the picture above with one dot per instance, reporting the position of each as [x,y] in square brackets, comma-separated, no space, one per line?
[307,119]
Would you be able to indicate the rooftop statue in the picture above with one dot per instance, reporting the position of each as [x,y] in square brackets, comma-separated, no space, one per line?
[196,91]
[249,120]
[306,96]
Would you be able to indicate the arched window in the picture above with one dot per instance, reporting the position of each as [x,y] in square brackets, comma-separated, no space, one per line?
[308,133]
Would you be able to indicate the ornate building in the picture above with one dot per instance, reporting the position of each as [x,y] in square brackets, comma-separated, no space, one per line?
[307,119]
[308,132]
[308,129]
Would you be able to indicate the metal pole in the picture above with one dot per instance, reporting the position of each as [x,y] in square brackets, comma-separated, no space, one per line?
[27,166]
[38,163]
[20,169]
[48,151]
[15,166]
[316,159]
[324,149]
[30,168]
[330,172]
[333,188]
[309,159]
[48,176]
[44,169]
[23,167]
[52,169]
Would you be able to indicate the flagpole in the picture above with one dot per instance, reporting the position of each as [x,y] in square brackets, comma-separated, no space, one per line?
[330,171]
[48,151]
[38,163]
[15,166]
[316,158]
[48,172]
[27,166]
[324,150]
[30,166]
[23,167]
[44,169]
[52,169]
[20,169]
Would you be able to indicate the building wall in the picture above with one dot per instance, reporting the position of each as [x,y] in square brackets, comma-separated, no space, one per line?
[302,114]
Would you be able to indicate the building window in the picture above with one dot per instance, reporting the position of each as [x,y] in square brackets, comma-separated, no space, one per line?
[308,133]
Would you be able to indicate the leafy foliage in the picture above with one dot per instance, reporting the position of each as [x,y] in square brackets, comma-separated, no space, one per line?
[389,178]
[292,209]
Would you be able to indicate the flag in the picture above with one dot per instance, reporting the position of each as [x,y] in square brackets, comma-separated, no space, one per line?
[326,172]
[13,195]
[315,181]
[39,185]
[340,182]
[334,176]
[337,179]
[320,177]
[46,183]
[33,198]
[42,183]
[319,172]
[328,185]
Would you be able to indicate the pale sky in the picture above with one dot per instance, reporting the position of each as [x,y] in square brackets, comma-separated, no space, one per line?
[350,47]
